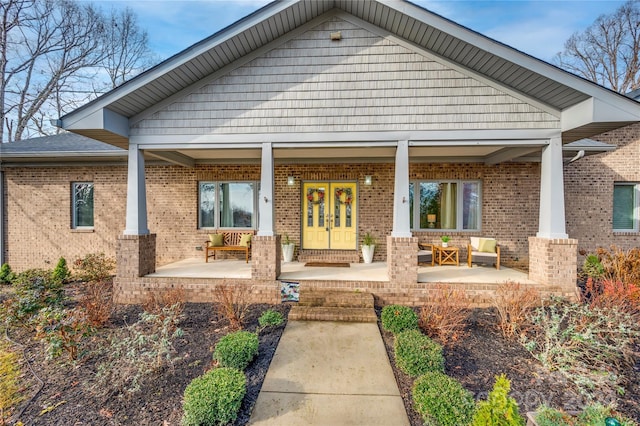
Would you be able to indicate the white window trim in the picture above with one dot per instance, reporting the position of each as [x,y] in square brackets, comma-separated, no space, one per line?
[459,202]
[636,207]
[216,204]
[74,220]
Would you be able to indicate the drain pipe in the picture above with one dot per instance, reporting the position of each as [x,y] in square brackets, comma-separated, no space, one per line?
[578,156]
[2,214]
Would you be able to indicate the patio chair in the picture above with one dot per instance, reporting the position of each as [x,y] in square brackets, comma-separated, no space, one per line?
[486,249]
[425,250]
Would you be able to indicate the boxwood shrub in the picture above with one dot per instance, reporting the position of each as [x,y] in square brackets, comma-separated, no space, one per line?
[214,398]
[398,318]
[270,318]
[236,350]
[442,400]
[417,354]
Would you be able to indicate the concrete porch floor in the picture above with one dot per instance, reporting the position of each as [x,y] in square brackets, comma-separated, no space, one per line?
[374,272]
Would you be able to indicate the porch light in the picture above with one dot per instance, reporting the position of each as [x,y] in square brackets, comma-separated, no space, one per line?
[368,180]
[291,181]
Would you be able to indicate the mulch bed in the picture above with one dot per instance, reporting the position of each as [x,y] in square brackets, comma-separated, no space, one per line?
[484,353]
[474,360]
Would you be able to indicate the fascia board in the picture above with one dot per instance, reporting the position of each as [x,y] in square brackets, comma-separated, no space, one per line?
[594,110]
[100,119]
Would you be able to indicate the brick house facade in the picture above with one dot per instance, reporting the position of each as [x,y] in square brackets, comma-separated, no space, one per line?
[328,92]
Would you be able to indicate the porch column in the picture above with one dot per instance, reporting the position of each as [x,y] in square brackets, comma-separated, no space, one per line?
[265,248]
[136,248]
[265,227]
[551,218]
[2,214]
[552,254]
[136,223]
[401,225]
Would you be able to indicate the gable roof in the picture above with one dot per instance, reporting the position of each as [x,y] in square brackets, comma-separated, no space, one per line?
[585,107]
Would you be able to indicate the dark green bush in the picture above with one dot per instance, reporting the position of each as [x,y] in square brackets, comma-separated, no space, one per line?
[441,400]
[214,398]
[6,275]
[270,318]
[398,318]
[236,350]
[61,271]
[499,409]
[592,266]
[417,354]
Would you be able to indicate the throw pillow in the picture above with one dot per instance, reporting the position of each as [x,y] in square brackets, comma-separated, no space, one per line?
[487,245]
[245,239]
[217,240]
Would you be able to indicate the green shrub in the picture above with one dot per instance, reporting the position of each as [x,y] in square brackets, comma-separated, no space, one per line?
[35,290]
[6,275]
[592,267]
[63,330]
[236,350]
[547,416]
[417,354]
[441,400]
[270,318]
[592,415]
[499,409]
[214,398]
[398,318]
[61,273]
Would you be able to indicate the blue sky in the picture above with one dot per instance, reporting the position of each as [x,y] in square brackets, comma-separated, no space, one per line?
[538,28]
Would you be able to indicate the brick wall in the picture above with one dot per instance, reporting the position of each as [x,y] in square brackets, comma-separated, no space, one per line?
[589,196]
[38,207]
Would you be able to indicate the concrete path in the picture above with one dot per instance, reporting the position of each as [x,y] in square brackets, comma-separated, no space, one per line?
[329,373]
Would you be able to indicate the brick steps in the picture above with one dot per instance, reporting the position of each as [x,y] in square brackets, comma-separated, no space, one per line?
[330,305]
[347,256]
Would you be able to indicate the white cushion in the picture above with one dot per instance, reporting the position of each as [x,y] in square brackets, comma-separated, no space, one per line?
[424,252]
[483,254]
[475,243]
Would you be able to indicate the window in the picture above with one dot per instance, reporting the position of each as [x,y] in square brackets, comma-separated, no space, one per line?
[227,205]
[452,205]
[82,205]
[625,207]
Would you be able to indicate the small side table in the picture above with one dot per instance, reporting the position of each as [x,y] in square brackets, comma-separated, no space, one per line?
[447,255]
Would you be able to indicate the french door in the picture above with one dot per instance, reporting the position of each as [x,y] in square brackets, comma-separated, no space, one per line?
[329,215]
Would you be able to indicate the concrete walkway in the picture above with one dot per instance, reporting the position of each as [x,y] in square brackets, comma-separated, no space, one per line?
[329,373]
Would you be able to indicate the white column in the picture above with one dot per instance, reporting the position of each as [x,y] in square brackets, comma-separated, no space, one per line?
[401,225]
[552,221]
[265,201]
[136,194]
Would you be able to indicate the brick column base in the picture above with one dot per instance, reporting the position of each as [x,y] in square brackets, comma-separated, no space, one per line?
[402,260]
[554,262]
[135,255]
[266,257]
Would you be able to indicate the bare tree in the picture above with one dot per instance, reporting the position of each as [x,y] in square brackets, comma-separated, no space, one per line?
[54,54]
[607,52]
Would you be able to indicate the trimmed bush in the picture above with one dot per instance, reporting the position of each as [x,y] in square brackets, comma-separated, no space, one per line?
[499,409]
[398,318]
[270,318]
[6,275]
[417,354]
[236,350]
[214,398]
[442,400]
[61,272]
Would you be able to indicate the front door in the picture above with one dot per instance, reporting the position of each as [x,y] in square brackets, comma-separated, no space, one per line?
[329,215]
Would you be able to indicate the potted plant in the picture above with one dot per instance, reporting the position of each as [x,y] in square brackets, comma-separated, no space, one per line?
[288,248]
[445,240]
[368,247]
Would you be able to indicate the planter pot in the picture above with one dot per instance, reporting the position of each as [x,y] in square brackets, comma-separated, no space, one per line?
[287,252]
[367,253]
[445,244]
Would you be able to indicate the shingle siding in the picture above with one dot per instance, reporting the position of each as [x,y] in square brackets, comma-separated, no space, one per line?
[363,82]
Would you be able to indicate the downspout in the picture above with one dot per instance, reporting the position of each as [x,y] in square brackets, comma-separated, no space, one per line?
[2,214]
[578,156]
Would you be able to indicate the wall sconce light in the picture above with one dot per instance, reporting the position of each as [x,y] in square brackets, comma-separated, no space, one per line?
[291,180]
[431,219]
[336,36]
[368,180]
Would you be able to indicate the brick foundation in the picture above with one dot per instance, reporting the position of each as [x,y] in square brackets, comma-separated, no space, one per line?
[553,263]
[266,257]
[402,261]
[136,255]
